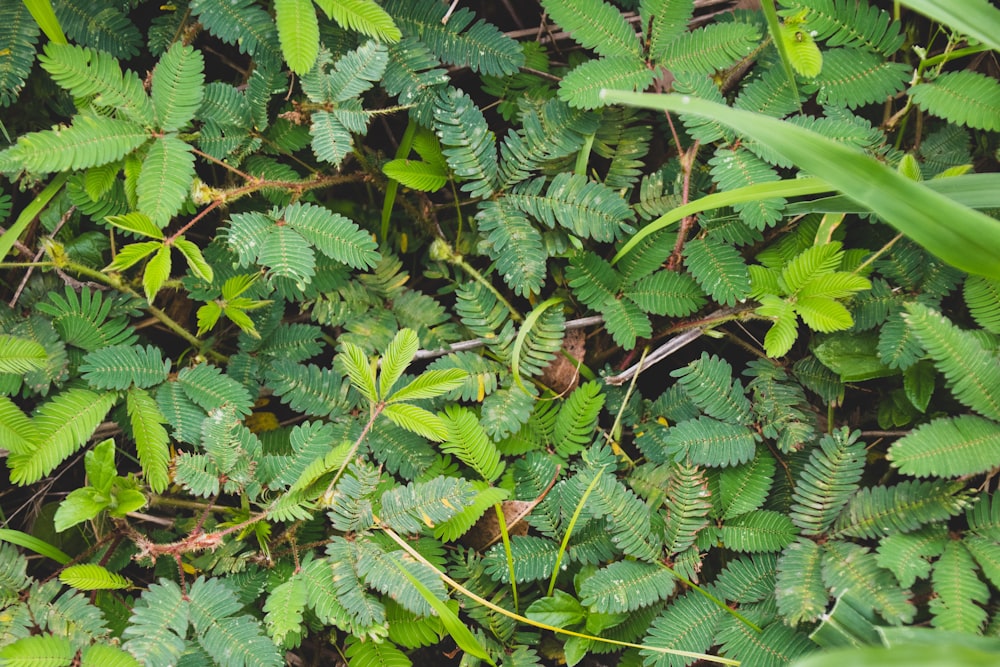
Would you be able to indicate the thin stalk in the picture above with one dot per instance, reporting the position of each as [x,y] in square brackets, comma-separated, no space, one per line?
[569,529]
[458,260]
[505,536]
[543,626]
[720,603]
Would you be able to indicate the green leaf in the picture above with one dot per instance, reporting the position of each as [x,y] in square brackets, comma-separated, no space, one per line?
[90,141]
[468,441]
[411,508]
[948,447]
[416,420]
[79,505]
[298,31]
[417,174]
[165,179]
[21,355]
[458,630]
[971,371]
[151,439]
[90,577]
[196,261]
[38,651]
[581,88]
[430,384]
[17,432]
[333,235]
[972,243]
[362,16]
[40,547]
[596,25]
[625,586]
[561,610]
[799,590]
[284,607]
[63,424]
[762,530]
[178,86]
[359,369]
[156,273]
[122,366]
[132,254]
[107,655]
[136,223]
[396,358]
[959,591]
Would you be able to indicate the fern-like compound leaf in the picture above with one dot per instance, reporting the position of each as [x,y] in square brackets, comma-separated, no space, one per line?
[713,47]
[588,209]
[38,650]
[178,86]
[762,530]
[242,23]
[230,640]
[165,179]
[375,654]
[89,73]
[827,481]
[666,19]
[413,74]
[880,510]
[100,24]
[971,371]
[707,441]
[625,586]
[853,568]
[688,624]
[298,33]
[515,244]
[62,425]
[415,506]
[840,22]
[709,383]
[577,419]
[686,504]
[209,388]
[467,142]
[469,443]
[626,322]
[92,577]
[532,557]
[581,88]
[122,366]
[745,487]
[396,358]
[948,447]
[363,16]
[667,293]
[364,611]
[151,439]
[855,77]
[738,168]
[352,74]
[593,280]
[18,34]
[158,625]
[596,25]
[800,593]
[384,572]
[20,355]
[966,98]
[982,296]
[457,41]
[90,141]
[284,607]
[959,592]
[907,555]
[719,270]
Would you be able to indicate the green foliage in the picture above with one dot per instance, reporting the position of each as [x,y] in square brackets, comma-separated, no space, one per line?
[420,261]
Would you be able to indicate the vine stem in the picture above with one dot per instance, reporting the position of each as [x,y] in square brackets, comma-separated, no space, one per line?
[543,626]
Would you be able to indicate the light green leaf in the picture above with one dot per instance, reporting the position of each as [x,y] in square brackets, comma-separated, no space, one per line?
[152,443]
[99,463]
[417,174]
[20,355]
[45,17]
[80,505]
[359,369]
[430,384]
[17,433]
[132,254]
[137,223]
[91,577]
[298,32]
[396,358]
[156,273]
[417,420]
[38,651]
[363,16]
[39,546]
[195,260]
[561,610]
